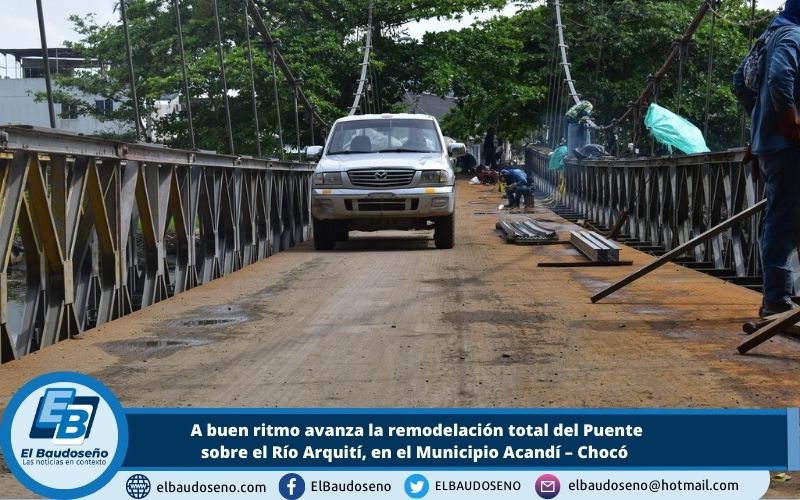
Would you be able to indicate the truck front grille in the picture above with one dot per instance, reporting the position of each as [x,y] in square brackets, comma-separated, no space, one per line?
[381,177]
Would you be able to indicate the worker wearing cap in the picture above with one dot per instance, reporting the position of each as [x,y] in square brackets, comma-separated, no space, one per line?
[516,187]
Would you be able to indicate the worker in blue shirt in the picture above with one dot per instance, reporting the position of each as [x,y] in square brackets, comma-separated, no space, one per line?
[517,186]
[775,134]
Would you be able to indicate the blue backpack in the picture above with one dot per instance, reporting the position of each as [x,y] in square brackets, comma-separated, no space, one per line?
[756,59]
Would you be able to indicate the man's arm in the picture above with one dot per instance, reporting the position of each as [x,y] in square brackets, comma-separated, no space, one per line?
[781,78]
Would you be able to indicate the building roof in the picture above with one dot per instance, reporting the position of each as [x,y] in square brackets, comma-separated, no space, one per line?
[52,52]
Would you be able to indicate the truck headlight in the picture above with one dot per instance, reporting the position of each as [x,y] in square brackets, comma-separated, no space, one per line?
[435,177]
[328,179]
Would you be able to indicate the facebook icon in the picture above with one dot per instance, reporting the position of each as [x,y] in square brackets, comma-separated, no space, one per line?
[291,486]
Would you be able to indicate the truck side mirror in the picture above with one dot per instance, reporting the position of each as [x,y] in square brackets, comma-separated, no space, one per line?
[314,153]
[456,149]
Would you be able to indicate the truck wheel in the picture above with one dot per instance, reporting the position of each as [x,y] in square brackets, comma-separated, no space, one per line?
[444,231]
[340,233]
[323,235]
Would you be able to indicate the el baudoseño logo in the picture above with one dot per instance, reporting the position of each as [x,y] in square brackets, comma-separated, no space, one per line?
[64,435]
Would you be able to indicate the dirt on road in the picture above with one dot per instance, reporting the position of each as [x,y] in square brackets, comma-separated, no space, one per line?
[387,320]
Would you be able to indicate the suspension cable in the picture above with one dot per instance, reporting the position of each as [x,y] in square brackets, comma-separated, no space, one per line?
[46,59]
[185,75]
[272,49]
[131,74]
[743,121]
[266,36]
[551,97]
[376,88]
[652,81]
[364,64]
[673,56]
[252,79]
[710,71]
[224,81]
[752,22]
[295,91]
[565,62]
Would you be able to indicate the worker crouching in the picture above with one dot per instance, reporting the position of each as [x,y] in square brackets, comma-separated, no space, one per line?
[517,187]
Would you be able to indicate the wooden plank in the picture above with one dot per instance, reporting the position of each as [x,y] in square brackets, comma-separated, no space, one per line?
[680,250]
[768,331]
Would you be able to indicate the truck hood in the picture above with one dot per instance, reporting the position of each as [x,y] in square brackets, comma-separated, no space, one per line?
[420,161]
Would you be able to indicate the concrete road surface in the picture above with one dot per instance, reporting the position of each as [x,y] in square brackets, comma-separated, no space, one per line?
[386,320]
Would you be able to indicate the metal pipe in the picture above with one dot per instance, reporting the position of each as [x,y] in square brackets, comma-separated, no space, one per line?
[252,79]
[224,81]
[131,74]
[185,75]
[47,80]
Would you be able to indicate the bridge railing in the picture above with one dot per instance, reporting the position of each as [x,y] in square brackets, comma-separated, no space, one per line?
[669,201]
[91,230]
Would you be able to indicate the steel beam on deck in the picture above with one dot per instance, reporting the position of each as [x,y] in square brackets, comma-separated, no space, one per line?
[595,247]
[682,249]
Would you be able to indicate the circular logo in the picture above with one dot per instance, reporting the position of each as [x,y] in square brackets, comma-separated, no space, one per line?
[416,486]
[291,486]
[64,435]
[137,486]
[547,486]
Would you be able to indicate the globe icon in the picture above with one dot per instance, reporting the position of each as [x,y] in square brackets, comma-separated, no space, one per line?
[138,486]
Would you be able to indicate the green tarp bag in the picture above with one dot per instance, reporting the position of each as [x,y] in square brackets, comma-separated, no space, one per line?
[557,158]
[674,130]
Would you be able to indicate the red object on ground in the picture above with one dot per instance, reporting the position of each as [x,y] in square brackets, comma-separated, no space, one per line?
[487,176]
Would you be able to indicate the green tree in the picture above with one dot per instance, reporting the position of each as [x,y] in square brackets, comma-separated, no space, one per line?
[321,43]
[504,73]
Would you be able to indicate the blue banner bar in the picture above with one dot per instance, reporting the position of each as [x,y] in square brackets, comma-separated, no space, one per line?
[461,439]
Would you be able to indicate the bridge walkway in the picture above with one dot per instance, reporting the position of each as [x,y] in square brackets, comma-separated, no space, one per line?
[387,320]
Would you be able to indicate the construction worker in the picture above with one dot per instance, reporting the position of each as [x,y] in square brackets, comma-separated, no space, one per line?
[775,134]
[516,187]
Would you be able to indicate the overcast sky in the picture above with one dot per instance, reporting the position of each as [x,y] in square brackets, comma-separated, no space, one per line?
[19,25]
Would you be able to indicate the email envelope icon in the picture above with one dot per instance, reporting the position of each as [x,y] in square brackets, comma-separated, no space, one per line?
[548,486]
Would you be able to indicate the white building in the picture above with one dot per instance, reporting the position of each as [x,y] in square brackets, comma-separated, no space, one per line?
[18,105]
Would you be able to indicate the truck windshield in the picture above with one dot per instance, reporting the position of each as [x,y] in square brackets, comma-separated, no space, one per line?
[384,136]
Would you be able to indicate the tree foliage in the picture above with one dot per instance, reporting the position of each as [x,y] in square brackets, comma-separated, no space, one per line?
[321,41]
[503,69]
[503,72]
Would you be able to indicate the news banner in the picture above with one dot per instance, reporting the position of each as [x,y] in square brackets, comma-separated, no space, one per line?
[65,435]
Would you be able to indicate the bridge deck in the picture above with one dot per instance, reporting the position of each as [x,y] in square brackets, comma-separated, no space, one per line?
[394,322]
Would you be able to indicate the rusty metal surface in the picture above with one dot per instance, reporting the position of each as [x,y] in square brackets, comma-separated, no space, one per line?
[108,228]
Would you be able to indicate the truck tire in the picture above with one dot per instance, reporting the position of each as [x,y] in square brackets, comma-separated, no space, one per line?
[323,235]
[444,231]
[340,233]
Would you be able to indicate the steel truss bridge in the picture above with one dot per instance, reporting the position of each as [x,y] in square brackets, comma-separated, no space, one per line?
[108,228]
[111,227]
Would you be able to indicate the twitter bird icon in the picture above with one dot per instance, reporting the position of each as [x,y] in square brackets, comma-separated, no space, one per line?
[416,486]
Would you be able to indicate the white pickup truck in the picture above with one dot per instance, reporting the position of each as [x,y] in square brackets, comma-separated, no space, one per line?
[388,171]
